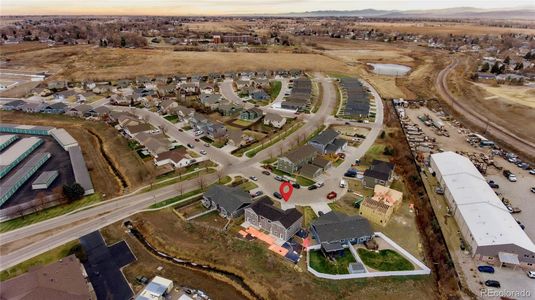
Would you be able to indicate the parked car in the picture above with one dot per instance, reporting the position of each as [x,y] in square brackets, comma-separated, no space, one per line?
[197,140]
[532,171]
[512,177]
[203,152]
[296,185]
[506,173]
[190,146]
[266,173]
[277,195]
[493,283]
[279,178]
[521,225]
[493,185]
[253,178]
[312,187]
[532,189]
[439,190]
[319,184]
[523,166]
[485,269]
[257,193]
[331,195]
[206,145]
[516,210]
[531,274]
[180,129]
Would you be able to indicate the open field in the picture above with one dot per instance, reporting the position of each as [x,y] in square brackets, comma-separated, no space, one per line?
[523,95]
[223,26]
[102,147]
[85,62]
[267,273]
[442,28]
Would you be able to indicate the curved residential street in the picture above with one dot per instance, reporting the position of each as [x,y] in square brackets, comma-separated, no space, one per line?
[476,117]
[57,231]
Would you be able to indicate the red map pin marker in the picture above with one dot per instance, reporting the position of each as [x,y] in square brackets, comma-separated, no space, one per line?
[286,190]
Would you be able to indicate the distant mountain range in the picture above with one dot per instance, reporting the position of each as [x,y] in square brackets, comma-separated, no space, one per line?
[456,13]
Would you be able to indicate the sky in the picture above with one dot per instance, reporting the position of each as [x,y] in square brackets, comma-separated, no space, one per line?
[228,7]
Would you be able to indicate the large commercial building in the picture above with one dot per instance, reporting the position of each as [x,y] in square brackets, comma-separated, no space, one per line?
[15,181]
[25,129]
[485,223]
[17,153]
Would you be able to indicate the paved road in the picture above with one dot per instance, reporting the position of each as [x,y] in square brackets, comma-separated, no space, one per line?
[476,117]
[122,207]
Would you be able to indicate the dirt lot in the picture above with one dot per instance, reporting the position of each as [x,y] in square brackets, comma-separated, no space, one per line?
[96,140]
[85,62]
[268,274]
[523,95]
[513,116]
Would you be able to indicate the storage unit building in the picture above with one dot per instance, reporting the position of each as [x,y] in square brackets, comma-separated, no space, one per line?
[44,180]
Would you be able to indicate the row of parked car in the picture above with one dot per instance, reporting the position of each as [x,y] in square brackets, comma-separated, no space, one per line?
[495,283]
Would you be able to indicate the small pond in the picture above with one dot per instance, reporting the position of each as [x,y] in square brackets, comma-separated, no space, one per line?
[390,69]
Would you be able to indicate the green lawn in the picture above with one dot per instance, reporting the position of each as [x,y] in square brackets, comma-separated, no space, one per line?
[275,89]
[178,179]
[304,181]
[172,118]
[243,123]
[322,264]
[42,259]
[385,260]
[48,213]
[253,152]
[269,161]
[249,185]
[177,199]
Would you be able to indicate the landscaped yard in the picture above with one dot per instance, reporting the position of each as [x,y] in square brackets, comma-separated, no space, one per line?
[384,260]
[322,264]
[172,118]
[243,123]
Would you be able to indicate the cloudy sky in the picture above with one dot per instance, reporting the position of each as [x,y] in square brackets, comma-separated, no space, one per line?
[222,7]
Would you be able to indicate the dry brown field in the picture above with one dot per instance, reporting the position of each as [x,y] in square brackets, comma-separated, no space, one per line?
[523,95]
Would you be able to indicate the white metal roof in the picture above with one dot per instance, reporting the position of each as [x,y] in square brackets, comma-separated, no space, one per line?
[486,216]
[63,137]
[12,153]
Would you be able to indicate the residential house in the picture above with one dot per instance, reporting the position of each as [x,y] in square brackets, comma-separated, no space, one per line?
[283,224]
[133,130]
[310,171]
[199,121]
[336,231]
[32,107]
[229,108]
[167,90]
[167,106]
[260,95]
[64,95]
[56,108]
[142,80]
[380,207]
[80,98]
[206,88]
[154,143]
[82,110]
[380,172]
[240,84]
[261,83]
[247,91]
[123,83]
[183,113]
[57,85]
[322,163]
[178,158]
[328,142]
[228,201]
[236,138]
[211,100]
[297,158]
[161,79]
[189,88]
[125,119]
[251,114]
[274,120]
[89,85]
[102,111]
[216,131]
[14,105]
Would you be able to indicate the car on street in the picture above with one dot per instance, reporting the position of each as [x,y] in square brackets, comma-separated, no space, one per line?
[203,152]
[485,269]
[312,187]
[331,195]
[180,129]
[190,146]
[198,132]
[319,184]
[197,140]
[523,166]
[512,178]
[257,193]
[253,178]
[493,283]
[277,195]
[279,178]
[296,185]
[506,173]
[206,145]
[532,189]
[521,225]
[532,171]
[266,173]
[531,274]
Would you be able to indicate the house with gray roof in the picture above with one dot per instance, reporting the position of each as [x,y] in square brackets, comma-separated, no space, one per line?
[228,201]
[210,100]
[251,114]
[283,224]
[216,131]
[297,158]
[14,105]
[328,142]
[274,120]
[336,231]
[380,172]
